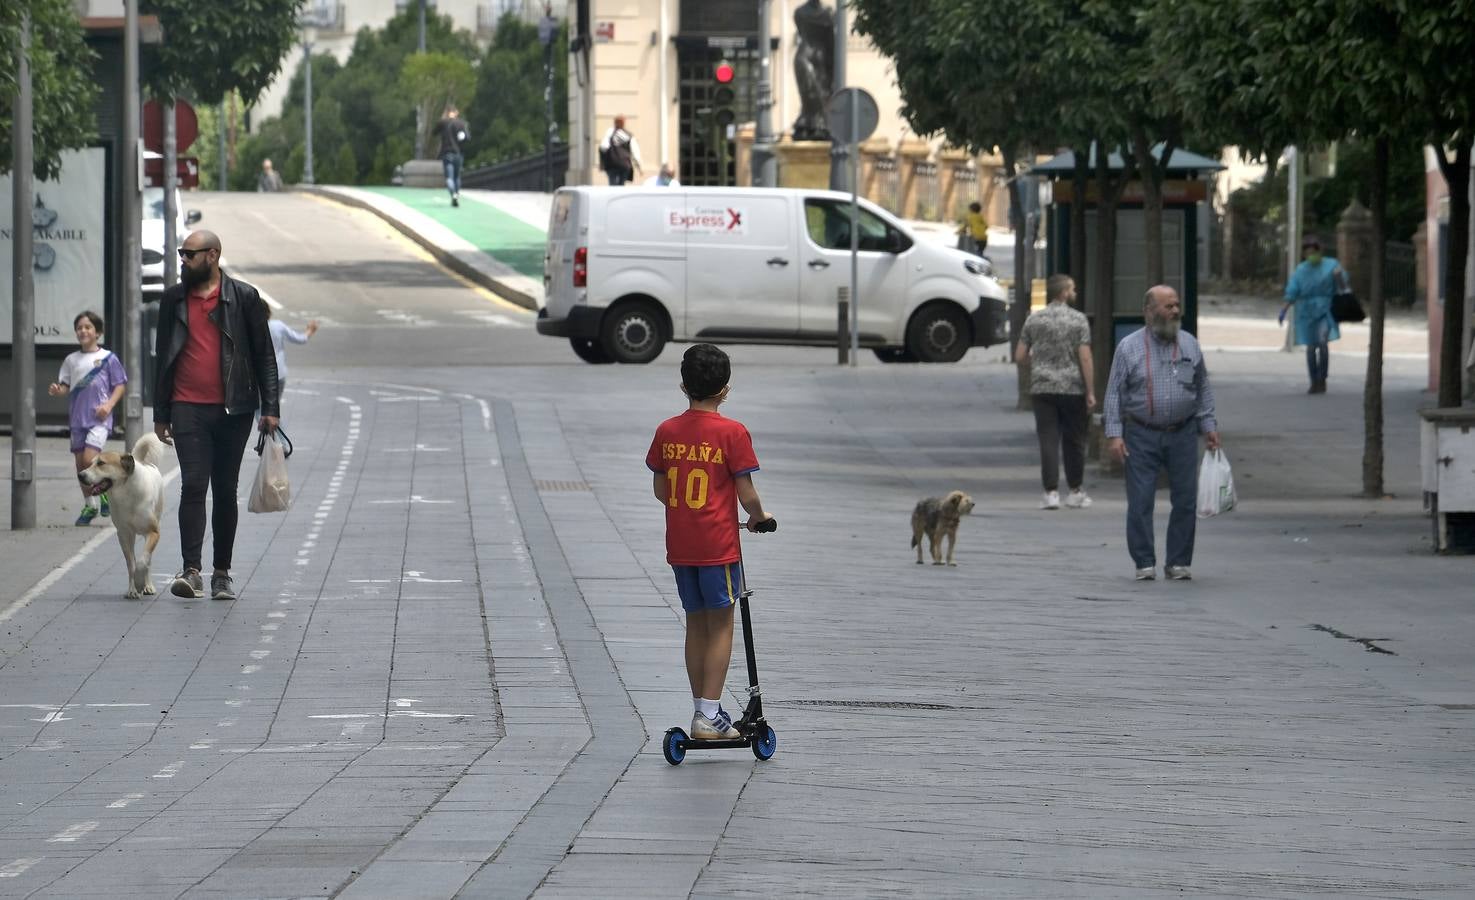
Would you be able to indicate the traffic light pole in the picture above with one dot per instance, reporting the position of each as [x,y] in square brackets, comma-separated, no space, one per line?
[764,166]
[839,171]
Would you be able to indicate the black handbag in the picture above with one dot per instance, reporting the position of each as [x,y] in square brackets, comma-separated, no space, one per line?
[1347,308]
[1345,305]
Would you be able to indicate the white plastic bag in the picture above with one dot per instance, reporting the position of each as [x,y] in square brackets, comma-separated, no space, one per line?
[271,492]
[1215,485]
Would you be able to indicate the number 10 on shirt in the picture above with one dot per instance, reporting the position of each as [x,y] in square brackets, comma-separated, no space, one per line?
[695,489]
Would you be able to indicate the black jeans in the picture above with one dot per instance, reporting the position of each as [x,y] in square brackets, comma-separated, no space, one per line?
[1060,421]
[210,445]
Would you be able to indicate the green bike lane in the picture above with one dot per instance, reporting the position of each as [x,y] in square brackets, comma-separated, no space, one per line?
[484,225]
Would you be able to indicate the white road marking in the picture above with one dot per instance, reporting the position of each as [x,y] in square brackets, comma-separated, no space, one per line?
[17,868]
[260,654]
[414,498]
[72,832]
[202,744]
[123,801]
[277,614]
[353,728]
[491,318]
[405,702]
[249,670]
[170,770]
[407,714]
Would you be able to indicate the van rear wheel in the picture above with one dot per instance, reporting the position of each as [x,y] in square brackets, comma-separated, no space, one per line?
[939,333]
[633,333]
[589,350]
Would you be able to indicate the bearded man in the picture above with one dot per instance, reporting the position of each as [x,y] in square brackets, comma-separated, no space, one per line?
[1157,403]
[216,368]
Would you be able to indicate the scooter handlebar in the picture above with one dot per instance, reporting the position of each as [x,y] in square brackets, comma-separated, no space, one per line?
[764,527]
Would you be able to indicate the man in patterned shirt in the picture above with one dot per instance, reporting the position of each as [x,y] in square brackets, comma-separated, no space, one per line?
[1158,402]
[1056,345]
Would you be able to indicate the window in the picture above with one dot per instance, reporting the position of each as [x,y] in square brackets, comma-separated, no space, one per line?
[828,222]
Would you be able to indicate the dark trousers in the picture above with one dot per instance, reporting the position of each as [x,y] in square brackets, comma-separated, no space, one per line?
[1318,355]
[618,177]
[1060,422]
[209,444]
[1149,452]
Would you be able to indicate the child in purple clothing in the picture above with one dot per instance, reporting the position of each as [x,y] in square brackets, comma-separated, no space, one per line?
[94,379]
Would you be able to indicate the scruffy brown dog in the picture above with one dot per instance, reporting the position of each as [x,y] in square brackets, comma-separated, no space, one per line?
[938,517]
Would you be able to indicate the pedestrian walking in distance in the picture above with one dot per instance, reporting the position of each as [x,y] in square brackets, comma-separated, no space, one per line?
[619,154]
[453,132]
[1310,290]
[268,182]
[1158,401]
[1056,345]
[703,465]
[216,367]
[94,380]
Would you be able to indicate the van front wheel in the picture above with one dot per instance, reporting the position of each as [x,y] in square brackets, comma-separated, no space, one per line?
[633,333]
[939,333]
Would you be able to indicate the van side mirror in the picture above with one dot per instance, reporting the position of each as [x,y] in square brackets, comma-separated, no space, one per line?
[192,217]
[895,243]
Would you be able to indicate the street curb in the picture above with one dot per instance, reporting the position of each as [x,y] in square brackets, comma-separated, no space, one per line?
[444,257]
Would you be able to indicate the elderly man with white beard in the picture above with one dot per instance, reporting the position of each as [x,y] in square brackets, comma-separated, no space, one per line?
[1157,403]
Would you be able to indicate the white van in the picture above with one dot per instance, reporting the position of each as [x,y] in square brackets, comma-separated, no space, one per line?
[629,269]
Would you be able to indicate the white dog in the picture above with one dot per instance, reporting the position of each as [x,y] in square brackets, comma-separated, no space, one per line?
[135,487]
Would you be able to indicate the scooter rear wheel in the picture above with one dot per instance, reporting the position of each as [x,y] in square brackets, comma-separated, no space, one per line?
[765,743]
[673,745]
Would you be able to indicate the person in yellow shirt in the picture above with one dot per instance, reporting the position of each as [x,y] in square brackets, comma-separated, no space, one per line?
[973,232]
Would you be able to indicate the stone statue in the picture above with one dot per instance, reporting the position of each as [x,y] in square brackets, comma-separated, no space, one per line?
[814,69]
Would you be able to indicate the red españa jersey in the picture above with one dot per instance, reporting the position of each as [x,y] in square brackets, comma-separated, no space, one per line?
[701,453]
[197,377]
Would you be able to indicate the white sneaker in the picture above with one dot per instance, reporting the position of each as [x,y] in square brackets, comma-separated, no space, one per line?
[1178,573]
[1051,500]
[1078,500]
[1147,574]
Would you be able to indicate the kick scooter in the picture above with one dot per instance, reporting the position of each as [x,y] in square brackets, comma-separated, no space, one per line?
[756,732]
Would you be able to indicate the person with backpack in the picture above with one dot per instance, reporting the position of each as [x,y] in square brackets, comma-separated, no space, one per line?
[452,131]
[619,154]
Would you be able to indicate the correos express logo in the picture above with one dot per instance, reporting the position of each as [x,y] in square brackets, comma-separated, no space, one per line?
[706,220]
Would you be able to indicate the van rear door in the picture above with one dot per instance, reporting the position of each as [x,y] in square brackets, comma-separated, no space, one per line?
[742,272]
[558,260]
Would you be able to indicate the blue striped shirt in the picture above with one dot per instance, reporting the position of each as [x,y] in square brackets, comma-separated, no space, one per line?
[1177,390]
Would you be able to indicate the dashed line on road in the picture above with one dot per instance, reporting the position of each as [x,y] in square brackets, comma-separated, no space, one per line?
[73,833]
[18,867]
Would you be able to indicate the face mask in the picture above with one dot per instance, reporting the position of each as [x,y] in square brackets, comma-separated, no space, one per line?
[1314,258]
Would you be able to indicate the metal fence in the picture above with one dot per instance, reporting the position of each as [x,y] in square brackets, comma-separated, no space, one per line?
[1400,274]
[523,174]
[928,190]
[888,184]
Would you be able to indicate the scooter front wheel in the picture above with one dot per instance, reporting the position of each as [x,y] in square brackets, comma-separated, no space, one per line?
[765,743]
[673,745]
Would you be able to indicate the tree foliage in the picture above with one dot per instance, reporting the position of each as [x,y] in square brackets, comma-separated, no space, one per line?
[211,50]
[63,82]
[506,113]
[434,82]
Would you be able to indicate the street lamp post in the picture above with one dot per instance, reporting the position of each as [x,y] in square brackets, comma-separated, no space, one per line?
[307,40]
[23,311]
[547,33]
[420,113]
[765,168]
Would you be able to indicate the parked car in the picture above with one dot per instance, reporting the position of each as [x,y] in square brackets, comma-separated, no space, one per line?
[152,238]
[626,271]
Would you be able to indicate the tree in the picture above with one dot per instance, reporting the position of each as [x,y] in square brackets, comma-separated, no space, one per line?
[207,53]
[63,83]
[506,113]
[434,82]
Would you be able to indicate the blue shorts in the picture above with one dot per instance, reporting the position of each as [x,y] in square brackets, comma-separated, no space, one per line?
[708,587]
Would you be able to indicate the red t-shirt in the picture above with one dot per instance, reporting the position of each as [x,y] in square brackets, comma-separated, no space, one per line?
[701,453]
[197,377]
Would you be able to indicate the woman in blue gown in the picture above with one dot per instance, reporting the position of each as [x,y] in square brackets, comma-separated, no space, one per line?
[1310,291]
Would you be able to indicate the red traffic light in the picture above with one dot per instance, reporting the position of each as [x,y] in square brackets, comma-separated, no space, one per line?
[723,73]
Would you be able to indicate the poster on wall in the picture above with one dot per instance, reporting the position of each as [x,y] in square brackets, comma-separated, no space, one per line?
[68,242]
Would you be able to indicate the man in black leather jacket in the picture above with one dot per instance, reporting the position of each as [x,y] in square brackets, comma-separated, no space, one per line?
[216,367]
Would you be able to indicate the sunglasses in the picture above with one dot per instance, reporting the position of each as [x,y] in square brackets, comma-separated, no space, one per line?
[190,254]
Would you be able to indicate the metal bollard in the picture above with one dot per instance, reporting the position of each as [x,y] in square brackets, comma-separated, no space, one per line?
[842,330]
